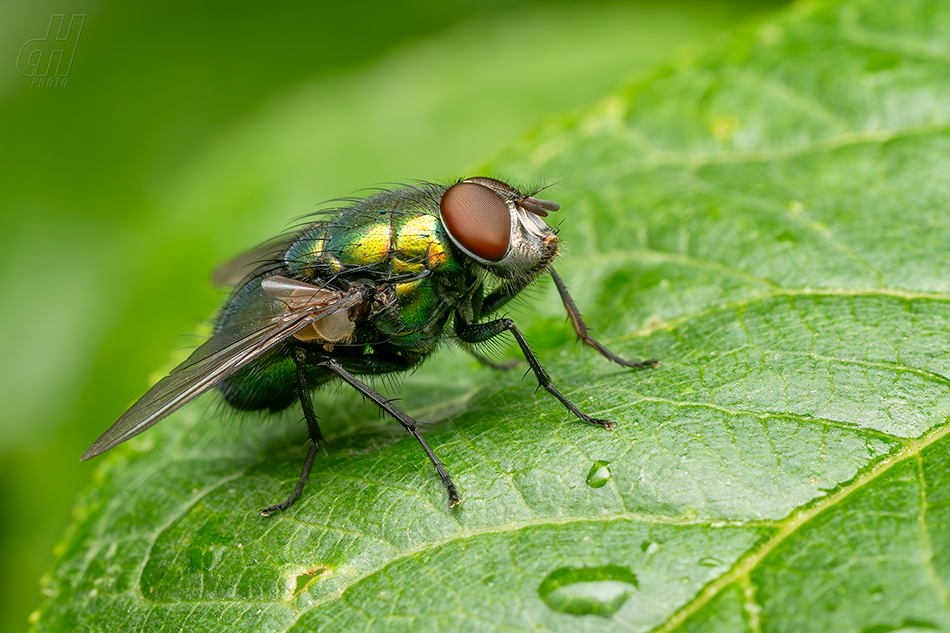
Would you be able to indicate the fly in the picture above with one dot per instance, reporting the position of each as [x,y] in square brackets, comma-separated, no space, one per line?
[369,289]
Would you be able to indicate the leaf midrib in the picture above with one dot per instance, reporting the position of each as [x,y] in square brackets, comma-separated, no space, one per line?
[746,564]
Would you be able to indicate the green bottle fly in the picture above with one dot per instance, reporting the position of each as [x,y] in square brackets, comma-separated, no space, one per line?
[368,289]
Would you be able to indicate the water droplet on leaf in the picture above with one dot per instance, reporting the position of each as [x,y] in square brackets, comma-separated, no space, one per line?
[597,591]
[599,474]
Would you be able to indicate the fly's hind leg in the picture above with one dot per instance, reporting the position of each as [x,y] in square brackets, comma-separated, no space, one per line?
[408,423]
[313,428]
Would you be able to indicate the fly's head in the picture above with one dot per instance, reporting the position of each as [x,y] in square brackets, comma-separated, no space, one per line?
[499,227]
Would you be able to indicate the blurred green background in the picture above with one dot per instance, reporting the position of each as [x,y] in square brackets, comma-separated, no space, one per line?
[185,135]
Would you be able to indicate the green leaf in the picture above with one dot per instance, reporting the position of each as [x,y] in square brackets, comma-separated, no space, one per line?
[771,221]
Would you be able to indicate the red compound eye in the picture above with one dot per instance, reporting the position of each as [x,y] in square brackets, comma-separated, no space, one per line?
[477,219]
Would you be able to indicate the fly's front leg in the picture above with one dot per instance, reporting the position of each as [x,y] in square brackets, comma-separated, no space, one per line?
[480,332]
[408,423]
[581,328]
[313,428]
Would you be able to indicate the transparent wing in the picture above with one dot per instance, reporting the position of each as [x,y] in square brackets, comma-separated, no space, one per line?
[235,271]
[251,332]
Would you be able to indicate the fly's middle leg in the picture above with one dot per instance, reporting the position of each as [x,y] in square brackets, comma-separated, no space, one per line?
[408,423]
[480,332]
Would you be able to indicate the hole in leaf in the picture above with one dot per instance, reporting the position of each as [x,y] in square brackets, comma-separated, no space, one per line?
[304,579]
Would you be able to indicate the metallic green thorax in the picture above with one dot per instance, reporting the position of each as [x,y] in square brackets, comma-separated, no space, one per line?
[394,238]
[393,241]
